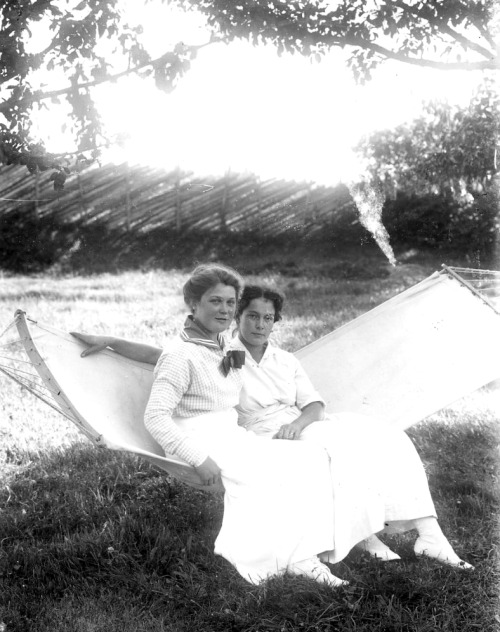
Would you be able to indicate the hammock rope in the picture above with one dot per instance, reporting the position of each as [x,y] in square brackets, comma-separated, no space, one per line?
[485,284]
[28,379]
[16,360]
[39,394]
[9,326]
[10,366]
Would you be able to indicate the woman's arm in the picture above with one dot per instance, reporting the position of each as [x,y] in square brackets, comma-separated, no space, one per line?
[171,381]
[127,348]
[315,411]
[307,399]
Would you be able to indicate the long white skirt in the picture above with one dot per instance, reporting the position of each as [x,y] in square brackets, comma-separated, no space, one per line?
[378,480]
[278,502]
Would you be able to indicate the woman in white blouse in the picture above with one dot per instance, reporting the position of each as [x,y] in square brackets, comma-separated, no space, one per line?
[375,478]
[378,478]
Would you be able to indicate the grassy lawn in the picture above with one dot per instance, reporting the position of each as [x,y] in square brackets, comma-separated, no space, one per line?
[98,541]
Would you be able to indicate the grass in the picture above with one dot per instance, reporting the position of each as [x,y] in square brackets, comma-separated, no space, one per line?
[98,541]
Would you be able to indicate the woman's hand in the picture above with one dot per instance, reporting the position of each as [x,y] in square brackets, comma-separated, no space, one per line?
[289,431]
[209,472]
[96,343]
[127,348]
[310,413]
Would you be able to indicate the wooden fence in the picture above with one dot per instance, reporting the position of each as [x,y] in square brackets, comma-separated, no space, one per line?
[141,199]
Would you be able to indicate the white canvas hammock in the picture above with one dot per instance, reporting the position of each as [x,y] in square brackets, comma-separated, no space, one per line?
[401,362]
[414,354]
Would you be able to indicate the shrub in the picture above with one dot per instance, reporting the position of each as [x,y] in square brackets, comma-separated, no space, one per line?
[439,221]
[30,244]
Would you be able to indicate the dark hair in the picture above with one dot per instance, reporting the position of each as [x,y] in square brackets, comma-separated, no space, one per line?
[205,277]
[260,291]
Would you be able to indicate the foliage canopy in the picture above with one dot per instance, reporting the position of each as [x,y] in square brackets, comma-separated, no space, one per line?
[443,34]
[85,37]
[90,43]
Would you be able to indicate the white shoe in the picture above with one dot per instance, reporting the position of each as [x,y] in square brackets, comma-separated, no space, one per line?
[314,569]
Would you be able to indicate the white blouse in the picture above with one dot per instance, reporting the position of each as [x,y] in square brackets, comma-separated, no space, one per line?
[274,390]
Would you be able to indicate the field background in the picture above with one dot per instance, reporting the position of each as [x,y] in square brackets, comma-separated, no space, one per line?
[99,541]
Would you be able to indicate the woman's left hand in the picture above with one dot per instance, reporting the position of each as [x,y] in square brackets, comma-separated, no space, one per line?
[288,431]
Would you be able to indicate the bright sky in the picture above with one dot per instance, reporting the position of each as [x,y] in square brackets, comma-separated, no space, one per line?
[245,108]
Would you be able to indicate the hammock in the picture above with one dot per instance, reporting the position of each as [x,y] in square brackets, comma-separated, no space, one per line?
[414,354]
[400,362]
[105,395]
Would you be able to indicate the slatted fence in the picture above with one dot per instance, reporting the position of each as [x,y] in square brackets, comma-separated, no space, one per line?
[141,198]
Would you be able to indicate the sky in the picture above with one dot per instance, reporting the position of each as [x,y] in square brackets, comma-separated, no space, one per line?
[246,109]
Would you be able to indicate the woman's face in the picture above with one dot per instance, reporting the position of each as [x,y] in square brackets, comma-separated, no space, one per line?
[256,322]
[215,310]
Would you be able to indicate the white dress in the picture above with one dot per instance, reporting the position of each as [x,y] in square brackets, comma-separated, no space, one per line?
[276,513]
[377,475]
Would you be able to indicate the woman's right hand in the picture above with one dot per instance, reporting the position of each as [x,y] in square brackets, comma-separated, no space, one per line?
[96,343]
[209,472]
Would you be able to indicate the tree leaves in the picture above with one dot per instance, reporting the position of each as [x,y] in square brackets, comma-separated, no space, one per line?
[448,149]
[74,50]
[412,32]
[59,178]
[423,32]
[169,68]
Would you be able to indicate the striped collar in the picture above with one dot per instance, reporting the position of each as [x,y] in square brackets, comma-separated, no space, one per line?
[194,332]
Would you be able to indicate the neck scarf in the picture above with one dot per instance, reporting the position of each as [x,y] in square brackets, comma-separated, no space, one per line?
[197,334]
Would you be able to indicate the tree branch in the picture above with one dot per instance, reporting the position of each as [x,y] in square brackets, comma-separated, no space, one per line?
[36,97]
[484,33]
[490,64]
[443,26]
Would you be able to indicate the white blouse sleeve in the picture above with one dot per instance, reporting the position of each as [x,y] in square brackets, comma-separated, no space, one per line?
[172,379]
[306,393]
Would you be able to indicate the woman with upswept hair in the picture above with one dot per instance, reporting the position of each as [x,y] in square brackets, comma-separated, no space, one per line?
[277,517]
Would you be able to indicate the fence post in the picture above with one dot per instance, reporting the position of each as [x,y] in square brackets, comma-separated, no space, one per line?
[311,209]
[80,191]
[258,189]
[127,194]
[225,202]
[37,193]
[178,201]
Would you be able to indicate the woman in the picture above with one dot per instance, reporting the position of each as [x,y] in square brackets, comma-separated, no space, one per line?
[375,471]
[377,477]
[277,517]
